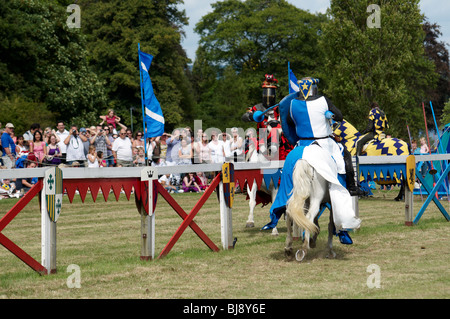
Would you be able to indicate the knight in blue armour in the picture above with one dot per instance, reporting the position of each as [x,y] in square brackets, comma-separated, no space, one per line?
[305,124]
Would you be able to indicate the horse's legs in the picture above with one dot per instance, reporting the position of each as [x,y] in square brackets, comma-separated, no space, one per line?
[331,253]
[312,242]
[289,239]
[313,212]
[401,193]
[274,192]
[251,190]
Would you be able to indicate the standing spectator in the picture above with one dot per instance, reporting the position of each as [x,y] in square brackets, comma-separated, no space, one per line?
[139,159]
[138,139]
[414,149]
[173,144]
[111,118]
[185,153]
[109,155]
[92,158]
[38,147]
[46,135]
[423,146]
[226,140]
[21,147]
[100,140]
[62,134]
[217,150]
[122,150]
[13,136]
[130,135]
[236,146]
[203,150]
[151,145]
[87,143]
[75,148]
[163,148]
[53,153]
[9,148]
[101,161]
[28,135]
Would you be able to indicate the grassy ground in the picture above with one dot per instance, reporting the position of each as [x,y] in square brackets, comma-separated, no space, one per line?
[103,240]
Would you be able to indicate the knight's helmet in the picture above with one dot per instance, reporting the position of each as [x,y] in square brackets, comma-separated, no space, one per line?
[269,87]
[308,87]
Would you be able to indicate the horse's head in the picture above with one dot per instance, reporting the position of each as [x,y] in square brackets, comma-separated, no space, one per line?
[348,133]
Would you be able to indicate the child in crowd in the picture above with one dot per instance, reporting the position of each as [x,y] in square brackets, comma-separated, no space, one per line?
[92,157]
[101,161]
[139,158]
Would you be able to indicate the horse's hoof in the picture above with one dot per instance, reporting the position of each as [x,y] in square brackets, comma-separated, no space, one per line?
[274,232]
[331,255]
[300,255]
[288,254]
[250,225]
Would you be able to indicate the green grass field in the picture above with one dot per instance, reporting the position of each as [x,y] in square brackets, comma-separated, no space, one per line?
[102,239]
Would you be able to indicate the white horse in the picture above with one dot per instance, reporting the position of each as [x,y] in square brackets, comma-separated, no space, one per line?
[302,209]
[254,156]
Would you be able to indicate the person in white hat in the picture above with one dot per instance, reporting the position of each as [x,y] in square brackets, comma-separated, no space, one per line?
[9,148]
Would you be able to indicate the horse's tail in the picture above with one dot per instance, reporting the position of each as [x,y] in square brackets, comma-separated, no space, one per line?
[302,179]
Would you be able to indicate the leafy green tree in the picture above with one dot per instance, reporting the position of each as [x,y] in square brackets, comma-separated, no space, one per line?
[114,29]
[43,61]
[254,38]
[437,52]
[22,113]
[385,64]
[445,119]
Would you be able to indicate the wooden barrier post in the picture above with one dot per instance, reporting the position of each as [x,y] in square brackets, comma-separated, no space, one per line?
[226,197]
[148,235]
[51,201]
[410,176]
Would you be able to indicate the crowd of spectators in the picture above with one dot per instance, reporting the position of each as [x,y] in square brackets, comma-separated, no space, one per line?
[112,144]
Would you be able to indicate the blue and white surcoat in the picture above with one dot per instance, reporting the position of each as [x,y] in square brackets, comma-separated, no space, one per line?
[308,124]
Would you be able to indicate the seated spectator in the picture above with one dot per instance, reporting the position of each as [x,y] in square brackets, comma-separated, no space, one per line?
[166,182]
[7,189]
[202,180]
[190,183]
[25,184]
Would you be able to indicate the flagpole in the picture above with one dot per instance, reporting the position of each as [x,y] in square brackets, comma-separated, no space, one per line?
[142,102]
[289,77]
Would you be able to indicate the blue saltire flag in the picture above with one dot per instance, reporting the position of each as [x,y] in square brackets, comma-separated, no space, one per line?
[153,116]
[293,84]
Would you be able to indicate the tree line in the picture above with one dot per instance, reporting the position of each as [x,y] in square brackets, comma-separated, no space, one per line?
[49,71]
